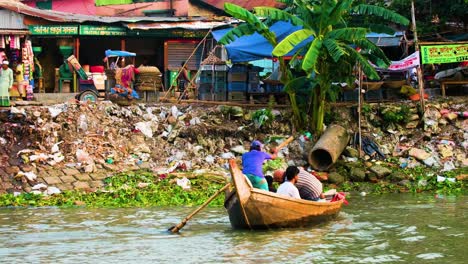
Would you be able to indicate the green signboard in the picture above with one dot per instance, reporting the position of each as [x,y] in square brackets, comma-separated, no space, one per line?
[53,29]
[436,54]
[102,31]
[169,33]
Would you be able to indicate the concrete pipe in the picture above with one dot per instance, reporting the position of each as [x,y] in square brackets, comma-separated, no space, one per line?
[329,147]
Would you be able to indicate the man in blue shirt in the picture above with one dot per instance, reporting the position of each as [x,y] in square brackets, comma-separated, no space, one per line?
[252,162]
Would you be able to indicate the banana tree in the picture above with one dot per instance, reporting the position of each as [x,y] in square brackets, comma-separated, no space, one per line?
[254,24]
[332,52]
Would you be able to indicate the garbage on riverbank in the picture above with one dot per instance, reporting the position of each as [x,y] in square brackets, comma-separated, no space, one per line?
[76,146]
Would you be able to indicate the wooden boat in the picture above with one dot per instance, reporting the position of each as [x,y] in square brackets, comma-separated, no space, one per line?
[252,208]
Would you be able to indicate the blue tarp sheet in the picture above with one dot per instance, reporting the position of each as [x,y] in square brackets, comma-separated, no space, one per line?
[256,47]
[119,53]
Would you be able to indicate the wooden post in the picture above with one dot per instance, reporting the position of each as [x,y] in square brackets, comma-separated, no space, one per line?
[418,69]
[359,110]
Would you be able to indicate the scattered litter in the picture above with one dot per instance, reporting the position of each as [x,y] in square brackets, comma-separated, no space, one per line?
[184,183]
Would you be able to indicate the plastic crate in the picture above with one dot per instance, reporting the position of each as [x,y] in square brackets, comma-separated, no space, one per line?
[236,96]
[237,77]
[274,88]
[255,88]
[254,77]
[350,95]
[220,96]
[237,87]
[238,68]
[374,95]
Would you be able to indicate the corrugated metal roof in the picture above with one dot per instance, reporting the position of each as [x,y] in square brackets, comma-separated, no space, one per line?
[247,4]
[11,20]
[185,25]
[58,16]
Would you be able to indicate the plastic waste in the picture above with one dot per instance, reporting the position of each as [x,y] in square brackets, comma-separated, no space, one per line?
[448,166]
[228,155]
[210,159]
[55,147]
[54,111]
[52,190]
[184,183]
[195,121]
[82,123]
[442,179]
[82,156]
[145,128]
[39,186]
[16,111]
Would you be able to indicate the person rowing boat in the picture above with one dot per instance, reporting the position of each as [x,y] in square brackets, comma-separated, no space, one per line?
[252,162]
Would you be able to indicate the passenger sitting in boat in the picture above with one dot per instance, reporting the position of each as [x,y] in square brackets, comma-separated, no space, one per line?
[270,180]
[288,187]
[310,188]
[252,162]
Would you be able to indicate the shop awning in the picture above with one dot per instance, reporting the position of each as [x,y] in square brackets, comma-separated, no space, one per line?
[255,46]
[14,32]
[119,53]
[386,40]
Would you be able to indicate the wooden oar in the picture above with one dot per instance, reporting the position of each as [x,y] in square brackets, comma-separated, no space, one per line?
[176,228]
[285,143]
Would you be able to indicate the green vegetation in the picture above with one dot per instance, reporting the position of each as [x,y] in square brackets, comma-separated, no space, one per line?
[143,189]
[420,179]
[122,190]
[329,57]
[262,117]
[400,115]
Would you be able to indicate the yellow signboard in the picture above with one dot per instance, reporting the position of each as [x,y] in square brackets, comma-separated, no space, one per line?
[450,53]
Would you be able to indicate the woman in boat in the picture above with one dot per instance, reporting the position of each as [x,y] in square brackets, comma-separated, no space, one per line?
[288,187]
[252,162]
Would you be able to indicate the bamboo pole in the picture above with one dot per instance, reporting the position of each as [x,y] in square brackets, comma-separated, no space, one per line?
[418,69]
[359,110]
[193,52]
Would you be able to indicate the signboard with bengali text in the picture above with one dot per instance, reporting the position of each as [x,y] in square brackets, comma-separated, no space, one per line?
[446,53]
[102,31]
[53,30]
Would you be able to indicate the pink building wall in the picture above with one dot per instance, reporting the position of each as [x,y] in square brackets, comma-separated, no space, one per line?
[87,7]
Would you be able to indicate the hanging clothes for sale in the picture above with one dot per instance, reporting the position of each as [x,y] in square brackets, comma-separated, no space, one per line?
[2,42]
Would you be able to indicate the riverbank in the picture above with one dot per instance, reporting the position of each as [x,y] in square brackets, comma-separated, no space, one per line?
[71,152]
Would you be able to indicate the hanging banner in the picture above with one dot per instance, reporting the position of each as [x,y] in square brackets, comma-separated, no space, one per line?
[102,31]
[449,53]
[405,64]
[53,29]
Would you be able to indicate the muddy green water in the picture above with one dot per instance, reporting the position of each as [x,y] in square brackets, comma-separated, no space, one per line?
[372,229]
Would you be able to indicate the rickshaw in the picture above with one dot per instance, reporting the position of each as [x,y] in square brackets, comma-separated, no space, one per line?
[87,88]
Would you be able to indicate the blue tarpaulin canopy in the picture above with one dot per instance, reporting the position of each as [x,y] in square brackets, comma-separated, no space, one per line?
[119,53]
[256,47]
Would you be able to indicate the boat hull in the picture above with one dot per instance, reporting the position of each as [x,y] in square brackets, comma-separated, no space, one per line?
[251,208]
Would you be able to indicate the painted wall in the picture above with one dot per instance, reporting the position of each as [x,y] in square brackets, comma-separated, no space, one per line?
[88,7]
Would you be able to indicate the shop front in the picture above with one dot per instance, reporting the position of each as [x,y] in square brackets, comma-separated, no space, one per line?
[16,49]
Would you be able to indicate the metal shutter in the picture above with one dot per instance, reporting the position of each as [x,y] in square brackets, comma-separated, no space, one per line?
[179,51]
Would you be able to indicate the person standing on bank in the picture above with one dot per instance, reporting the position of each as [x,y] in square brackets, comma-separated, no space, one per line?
[6,82]
[183,80]
[288,187]
[252,162]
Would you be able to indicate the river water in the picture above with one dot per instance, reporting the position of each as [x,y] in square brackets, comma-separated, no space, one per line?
[373,229]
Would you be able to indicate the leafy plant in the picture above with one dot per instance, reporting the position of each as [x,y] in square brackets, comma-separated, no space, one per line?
[400,115]
[262,117]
